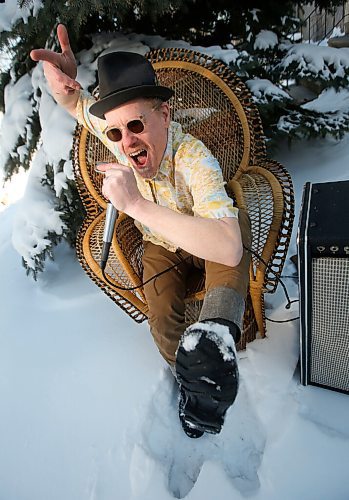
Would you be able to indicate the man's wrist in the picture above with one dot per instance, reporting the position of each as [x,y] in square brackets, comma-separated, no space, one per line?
[138,208]
[67,101]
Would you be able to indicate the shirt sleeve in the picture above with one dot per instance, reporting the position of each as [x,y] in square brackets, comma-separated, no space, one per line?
[92,123]
[207,185]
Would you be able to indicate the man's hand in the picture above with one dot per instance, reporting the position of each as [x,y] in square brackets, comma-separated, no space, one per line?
[120,187]
[60,69]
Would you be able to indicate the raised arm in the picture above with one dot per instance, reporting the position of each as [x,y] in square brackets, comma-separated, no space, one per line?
[60,71]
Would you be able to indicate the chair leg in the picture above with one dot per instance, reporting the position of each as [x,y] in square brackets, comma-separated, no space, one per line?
[258,307]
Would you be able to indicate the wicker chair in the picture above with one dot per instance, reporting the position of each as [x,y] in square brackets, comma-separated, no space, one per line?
[214,105]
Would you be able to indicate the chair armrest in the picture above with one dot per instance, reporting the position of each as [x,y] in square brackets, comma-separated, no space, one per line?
[267,195]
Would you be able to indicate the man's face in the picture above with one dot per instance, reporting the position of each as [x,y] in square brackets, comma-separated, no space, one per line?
[145,149]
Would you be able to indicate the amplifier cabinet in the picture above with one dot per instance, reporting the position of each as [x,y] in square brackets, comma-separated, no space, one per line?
[323,270]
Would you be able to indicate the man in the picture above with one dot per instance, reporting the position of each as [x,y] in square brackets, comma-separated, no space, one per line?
[170,184]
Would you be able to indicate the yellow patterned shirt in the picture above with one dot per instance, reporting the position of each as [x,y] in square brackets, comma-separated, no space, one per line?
[189,180]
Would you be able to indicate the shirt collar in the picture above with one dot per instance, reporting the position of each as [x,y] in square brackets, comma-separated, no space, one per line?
[174,135]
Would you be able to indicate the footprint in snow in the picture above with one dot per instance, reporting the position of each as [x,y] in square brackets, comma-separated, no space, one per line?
[238,448]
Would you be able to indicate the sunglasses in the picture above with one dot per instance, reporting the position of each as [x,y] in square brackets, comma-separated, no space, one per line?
[135,126]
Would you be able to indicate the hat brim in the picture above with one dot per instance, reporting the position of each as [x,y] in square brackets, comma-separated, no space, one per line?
[99,108]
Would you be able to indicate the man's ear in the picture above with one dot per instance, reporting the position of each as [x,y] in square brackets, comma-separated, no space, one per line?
[165,110]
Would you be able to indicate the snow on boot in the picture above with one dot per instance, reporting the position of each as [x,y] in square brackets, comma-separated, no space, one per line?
[206,368]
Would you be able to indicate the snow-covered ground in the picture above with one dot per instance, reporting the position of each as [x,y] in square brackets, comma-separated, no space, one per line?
[89,409]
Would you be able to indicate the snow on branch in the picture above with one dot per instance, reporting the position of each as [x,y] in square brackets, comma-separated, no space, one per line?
[263,91]
[313,124]
[328,113]
[11,12]
[14,126]
[316,62]
[329,101]
[36,217]
[265,40]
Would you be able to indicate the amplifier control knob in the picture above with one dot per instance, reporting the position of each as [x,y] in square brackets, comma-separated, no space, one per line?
[334,249]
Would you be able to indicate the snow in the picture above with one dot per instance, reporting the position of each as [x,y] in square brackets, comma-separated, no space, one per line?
[334,121]
[329,101]
[32,221]
[227,55]
[11,12]
[265,40]
[327,63]
[191,341]
[208,380]
[18,109]
[219,334]
[12,190]
[264,90]
[36,215]
[89,410]
[336,33]
[254,13]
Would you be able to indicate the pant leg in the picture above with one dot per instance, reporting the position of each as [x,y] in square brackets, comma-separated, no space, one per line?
[226,287]
[165,297]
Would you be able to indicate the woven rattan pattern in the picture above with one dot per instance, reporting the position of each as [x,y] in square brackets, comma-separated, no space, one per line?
[259,200]
[127,305]
[207,115]
[277,259]
[131,244]
[114,268]
[214,68]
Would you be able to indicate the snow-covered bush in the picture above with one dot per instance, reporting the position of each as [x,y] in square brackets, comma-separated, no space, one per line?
[36,132]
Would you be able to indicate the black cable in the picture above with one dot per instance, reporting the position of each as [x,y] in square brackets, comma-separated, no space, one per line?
[282,320]
[288,305]
[274,273]
[147,281]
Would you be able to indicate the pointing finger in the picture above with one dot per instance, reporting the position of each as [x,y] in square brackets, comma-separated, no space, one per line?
[63,38]
[104,166]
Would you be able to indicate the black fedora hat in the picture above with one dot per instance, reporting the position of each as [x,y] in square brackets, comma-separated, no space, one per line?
[124,76]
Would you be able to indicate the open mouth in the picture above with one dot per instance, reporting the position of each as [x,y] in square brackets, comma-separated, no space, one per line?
[139,157]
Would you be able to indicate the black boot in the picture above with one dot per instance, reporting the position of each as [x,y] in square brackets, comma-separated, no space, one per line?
[207,372]
[190,429]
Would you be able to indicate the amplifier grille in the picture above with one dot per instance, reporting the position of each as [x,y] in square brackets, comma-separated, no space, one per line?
[330,322]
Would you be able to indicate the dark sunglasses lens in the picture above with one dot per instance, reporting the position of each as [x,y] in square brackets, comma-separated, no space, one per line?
[114,134]
[135,126]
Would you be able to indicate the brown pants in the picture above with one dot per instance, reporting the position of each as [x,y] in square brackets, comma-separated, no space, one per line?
[225,286]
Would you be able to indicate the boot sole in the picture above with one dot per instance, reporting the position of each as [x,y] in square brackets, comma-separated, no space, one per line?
[210,389]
